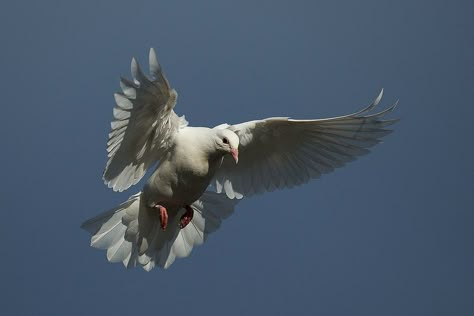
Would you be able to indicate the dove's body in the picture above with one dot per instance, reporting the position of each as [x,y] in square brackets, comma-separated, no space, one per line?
[186,170]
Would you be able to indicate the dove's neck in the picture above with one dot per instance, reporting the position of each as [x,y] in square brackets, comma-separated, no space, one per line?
[200,142]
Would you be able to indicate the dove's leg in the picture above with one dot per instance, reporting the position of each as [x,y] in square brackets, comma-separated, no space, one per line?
[187,217]
[163,216]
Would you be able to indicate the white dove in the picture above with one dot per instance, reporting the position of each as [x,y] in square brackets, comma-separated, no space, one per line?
[203,172]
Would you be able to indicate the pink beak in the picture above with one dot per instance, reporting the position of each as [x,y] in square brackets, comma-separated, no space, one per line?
[235,154]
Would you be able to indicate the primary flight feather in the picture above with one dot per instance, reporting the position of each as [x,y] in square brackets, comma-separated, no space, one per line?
[202,172]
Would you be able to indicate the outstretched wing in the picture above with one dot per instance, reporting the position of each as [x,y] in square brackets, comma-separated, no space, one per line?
[143,127]
[280,152]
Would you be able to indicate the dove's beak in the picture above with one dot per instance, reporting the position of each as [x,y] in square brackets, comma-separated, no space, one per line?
[235,154]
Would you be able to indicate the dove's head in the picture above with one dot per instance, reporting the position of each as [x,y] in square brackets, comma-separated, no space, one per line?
[228,142]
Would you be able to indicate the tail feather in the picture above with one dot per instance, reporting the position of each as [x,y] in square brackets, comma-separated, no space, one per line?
[119,251]
[132,234]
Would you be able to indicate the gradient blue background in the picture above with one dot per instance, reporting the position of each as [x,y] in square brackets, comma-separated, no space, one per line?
[390,234]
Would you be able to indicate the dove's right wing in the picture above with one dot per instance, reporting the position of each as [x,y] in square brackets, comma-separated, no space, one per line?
[143,127]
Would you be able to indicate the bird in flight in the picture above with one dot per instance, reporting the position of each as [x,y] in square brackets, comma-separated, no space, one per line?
[203,172]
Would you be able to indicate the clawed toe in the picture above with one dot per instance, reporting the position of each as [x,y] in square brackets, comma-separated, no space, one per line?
[187,217]
[163,216]
[184,220]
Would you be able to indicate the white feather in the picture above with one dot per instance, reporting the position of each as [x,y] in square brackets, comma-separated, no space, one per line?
[143,104]
[117,231]
[282,152]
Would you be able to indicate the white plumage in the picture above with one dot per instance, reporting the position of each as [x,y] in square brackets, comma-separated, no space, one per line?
[177,207]
[131,233]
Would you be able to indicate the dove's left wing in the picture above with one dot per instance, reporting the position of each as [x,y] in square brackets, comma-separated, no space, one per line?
[280,152]
[143,127]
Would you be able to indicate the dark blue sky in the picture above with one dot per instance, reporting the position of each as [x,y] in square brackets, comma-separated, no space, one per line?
[390,234]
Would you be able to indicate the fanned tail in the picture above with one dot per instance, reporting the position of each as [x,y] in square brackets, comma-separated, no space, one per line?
[131,232]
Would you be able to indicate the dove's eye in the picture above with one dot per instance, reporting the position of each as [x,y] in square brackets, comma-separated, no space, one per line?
[225,140]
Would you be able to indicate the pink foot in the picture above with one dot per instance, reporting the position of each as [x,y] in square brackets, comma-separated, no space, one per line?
[163,216]
[187,217]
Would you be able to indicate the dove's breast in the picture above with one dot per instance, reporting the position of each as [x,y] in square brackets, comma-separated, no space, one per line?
[185,173]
